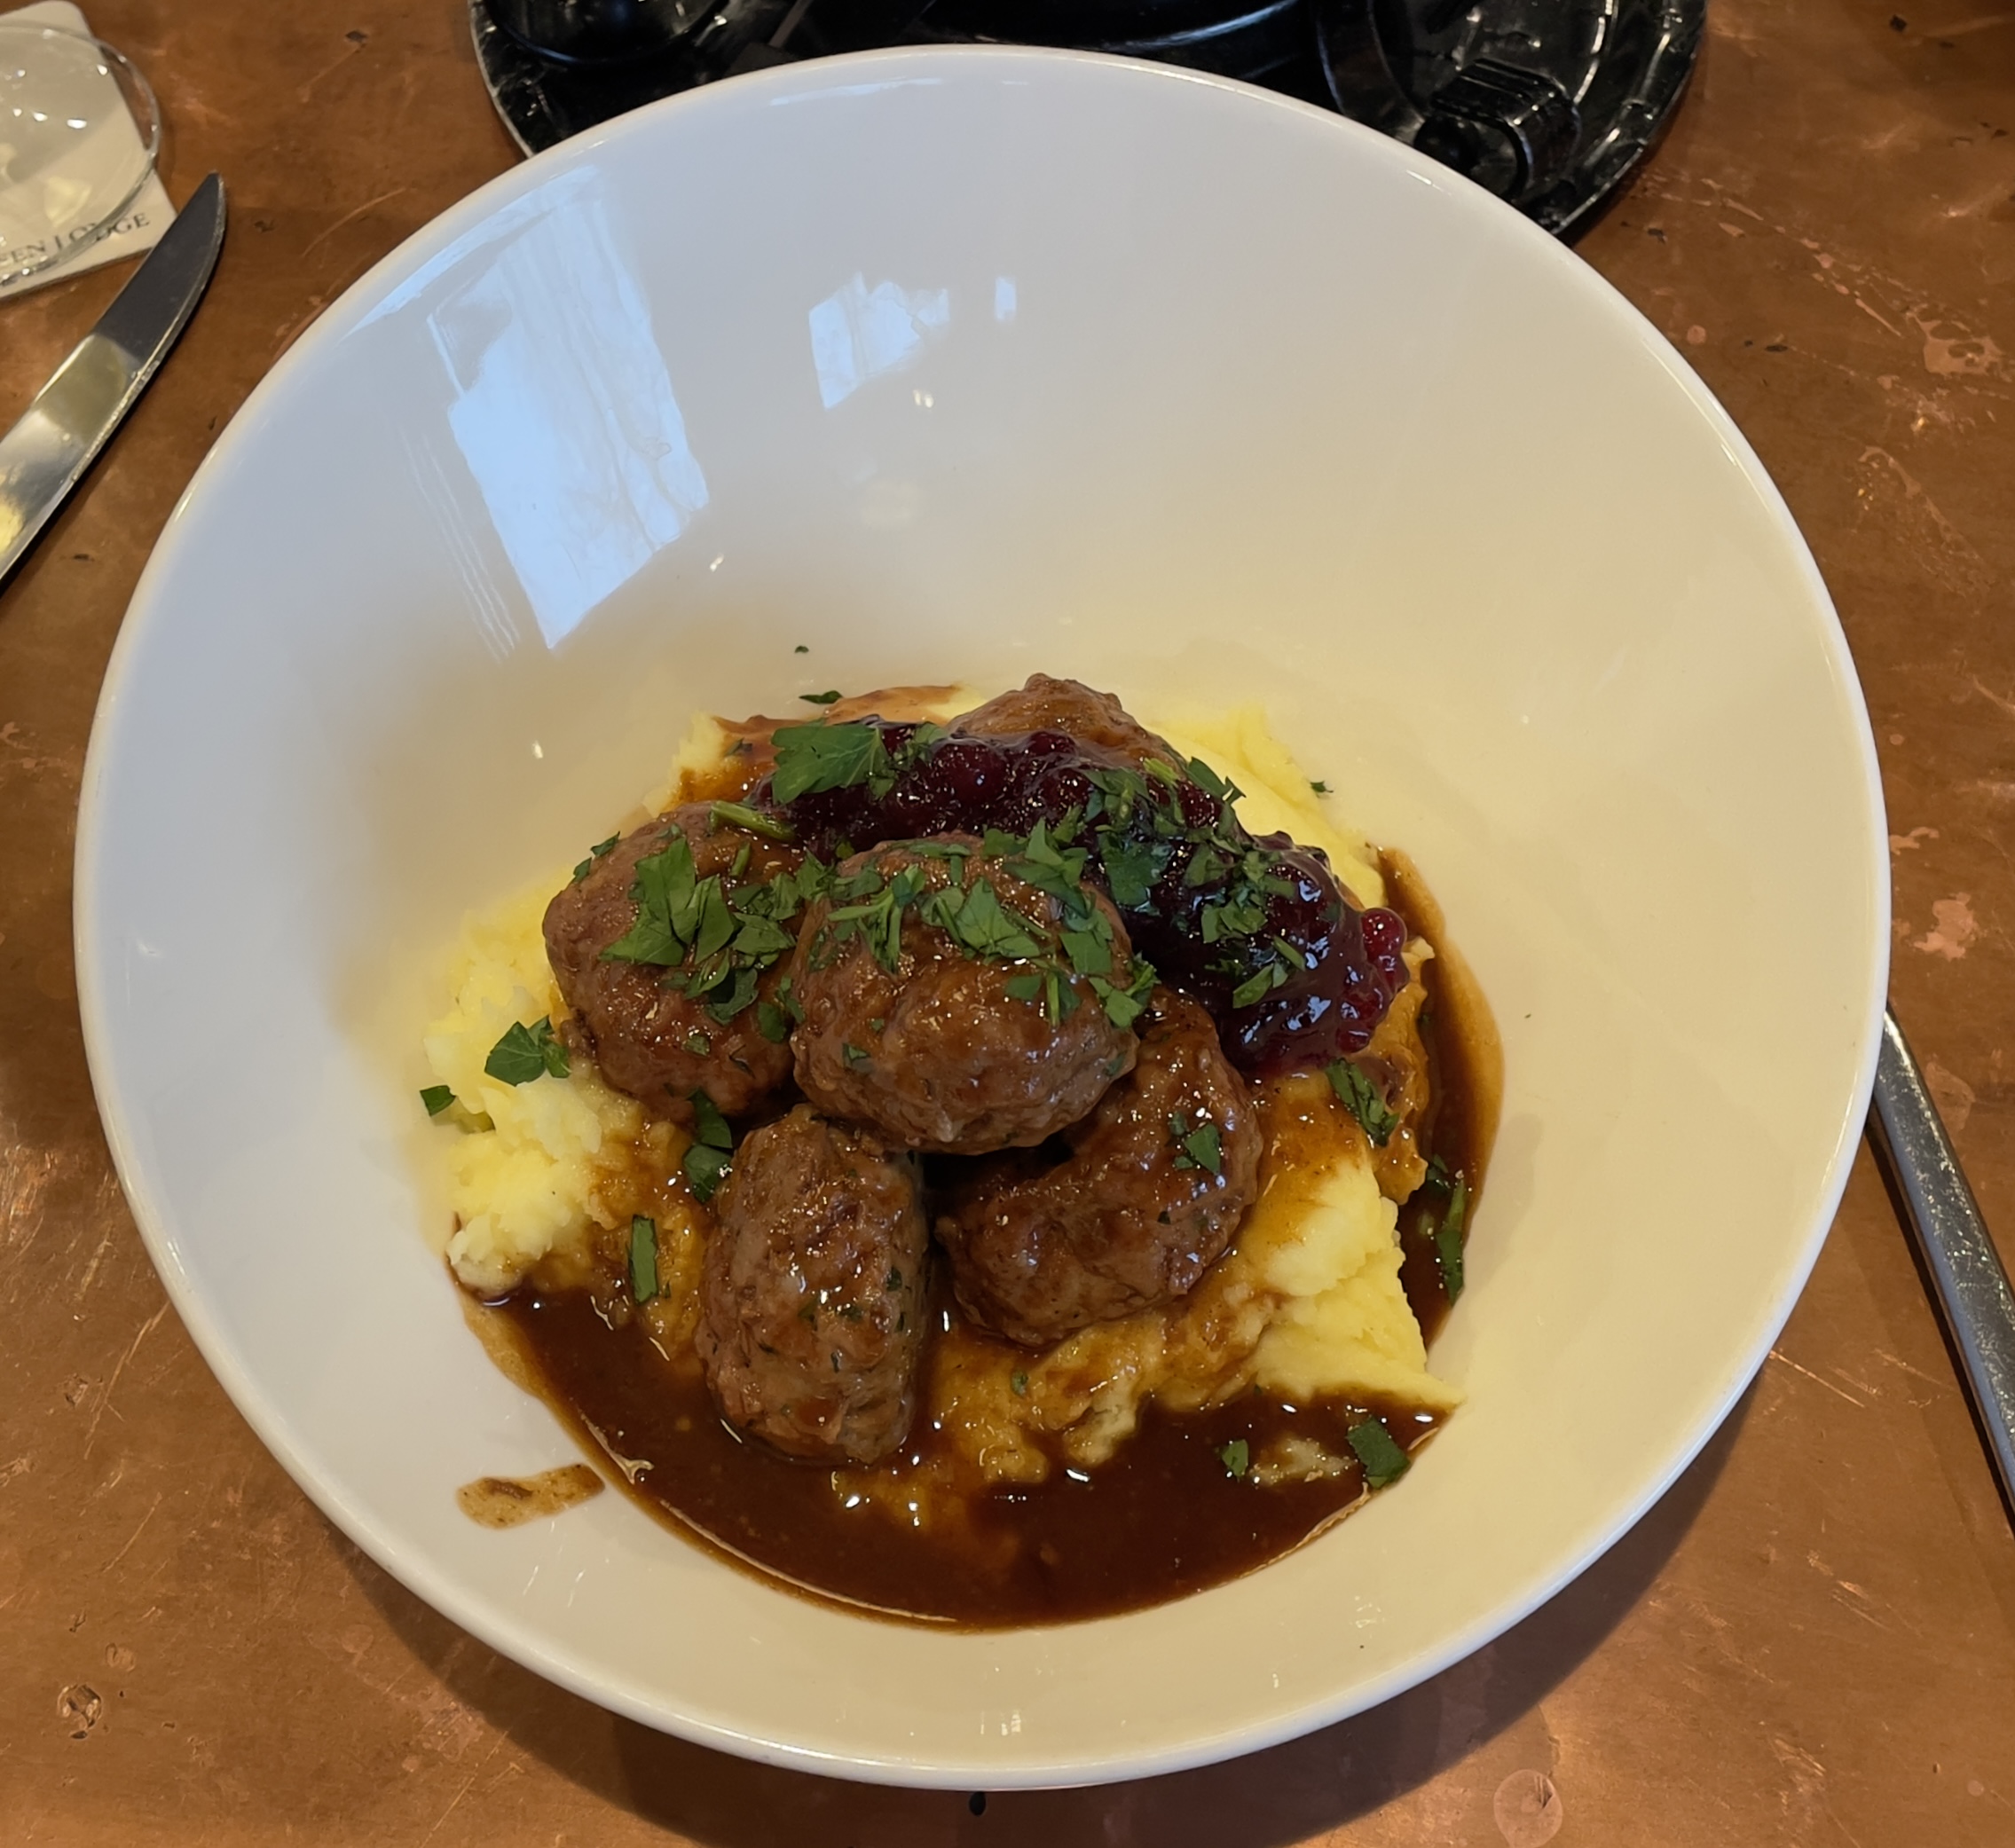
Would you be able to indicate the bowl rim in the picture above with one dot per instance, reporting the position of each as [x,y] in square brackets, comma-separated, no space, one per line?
[406,267]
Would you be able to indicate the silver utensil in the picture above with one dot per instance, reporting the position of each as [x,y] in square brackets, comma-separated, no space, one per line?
[1974,1299]
[46,454]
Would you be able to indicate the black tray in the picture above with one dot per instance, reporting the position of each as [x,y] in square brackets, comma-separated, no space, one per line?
[1547,103]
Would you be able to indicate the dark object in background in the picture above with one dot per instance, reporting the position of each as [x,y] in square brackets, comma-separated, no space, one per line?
[1546,103]
[597,31]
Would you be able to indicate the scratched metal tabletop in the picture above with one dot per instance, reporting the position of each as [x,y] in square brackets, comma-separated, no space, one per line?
[1810,1641]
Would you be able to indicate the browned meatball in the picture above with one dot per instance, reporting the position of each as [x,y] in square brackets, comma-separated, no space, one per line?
[1095,720]
[649,1038]
[964,1032]
[1147,1200]
[811,1293]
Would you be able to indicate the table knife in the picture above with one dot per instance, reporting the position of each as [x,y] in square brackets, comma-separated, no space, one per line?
[46,455]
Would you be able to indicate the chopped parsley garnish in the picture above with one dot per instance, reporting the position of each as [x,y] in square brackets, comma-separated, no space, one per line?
[1362,1099]
[750,820]
[643,1259]
[974,916]
[854,1057]
[812,757]
[970,910]
[1163,836]
[1202,1147]
[831,696]
[716,937]
[699,1044]
[595,852]
[894,1281]
[878,918]
[1211,783]
[800,649]
[1321,789]
[1384,1461]
[1258,986]
[1124,1006]
[1449,1235]
[772,1022]
[1019,1383]
[1090,952]
[713,1149]
[1236,1457]
[437,1098]
[1144,839]
[1131,873]
[525,1053]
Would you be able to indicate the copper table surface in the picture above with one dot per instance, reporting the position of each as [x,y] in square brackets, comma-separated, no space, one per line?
[1811,1640]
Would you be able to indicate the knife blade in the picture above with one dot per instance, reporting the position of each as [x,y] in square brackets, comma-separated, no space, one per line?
[46,454]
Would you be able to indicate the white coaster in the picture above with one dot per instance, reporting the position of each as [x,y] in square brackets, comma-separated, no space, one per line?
[139,226]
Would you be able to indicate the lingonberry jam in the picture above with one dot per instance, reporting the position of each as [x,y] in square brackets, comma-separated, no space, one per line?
[1256,930]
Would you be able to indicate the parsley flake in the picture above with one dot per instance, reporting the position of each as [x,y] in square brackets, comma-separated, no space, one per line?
[713,1149]
[1124,1006]
[989,928]
[667,893]
[1090,952]
[750,820]
[525,1053]
[1382,1458]
[437,1098]
[1449,1237]
[1236,1457]
[643,1259]
[1019,1383]
[1202,1147]
[1131,872]
[1269,976]
[1211,783]
[1321,789]
[1362,1099]
[814,758]
[594,854]
[831,696]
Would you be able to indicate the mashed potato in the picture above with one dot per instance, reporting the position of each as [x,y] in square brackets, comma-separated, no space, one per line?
[1308,1303]
[559,1158]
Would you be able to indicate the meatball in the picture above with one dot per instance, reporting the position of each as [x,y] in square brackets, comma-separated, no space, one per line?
[941,999]
[812,1291]
[1096,721]
[648,1037]
[1146,1201]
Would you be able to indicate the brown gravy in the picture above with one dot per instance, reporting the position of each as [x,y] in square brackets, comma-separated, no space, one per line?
[1164,1518]
[511,1501]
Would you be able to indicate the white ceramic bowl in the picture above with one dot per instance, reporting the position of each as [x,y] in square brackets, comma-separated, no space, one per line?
[958,364]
